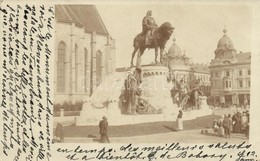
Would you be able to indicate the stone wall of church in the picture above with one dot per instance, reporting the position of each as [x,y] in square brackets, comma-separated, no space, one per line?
[82,53]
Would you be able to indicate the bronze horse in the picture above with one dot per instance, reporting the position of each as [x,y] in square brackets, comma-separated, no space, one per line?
[160,37]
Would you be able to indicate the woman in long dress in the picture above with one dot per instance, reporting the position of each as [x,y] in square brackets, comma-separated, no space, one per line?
[215,126]
[220,125]
[179,121]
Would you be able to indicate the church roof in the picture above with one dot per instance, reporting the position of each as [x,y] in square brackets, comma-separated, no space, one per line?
[86,16]
[225,43]
[174,50]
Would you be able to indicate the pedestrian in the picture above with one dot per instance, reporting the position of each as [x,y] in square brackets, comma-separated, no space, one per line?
[247,125]
[247,131]
[220,125]
[215,126]
[234,119]
[179,121]
[243,121]
[237,122]
[59,134]
[230,124]
[227,124]
[103,126]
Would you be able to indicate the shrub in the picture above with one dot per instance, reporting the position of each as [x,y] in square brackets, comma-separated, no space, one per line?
[68,106]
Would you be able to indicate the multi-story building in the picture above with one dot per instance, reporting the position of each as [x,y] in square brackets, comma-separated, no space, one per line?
[84,52]
[180,67]
[230,74]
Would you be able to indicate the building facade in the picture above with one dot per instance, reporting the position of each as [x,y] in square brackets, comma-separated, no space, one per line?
[230,74]
[180,68]
[84,52]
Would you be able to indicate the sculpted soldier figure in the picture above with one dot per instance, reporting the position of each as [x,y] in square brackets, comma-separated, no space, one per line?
[183,92]
[132,90]
[148,25]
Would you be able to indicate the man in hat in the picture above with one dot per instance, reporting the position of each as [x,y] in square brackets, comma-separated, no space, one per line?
[59,134]
[103,126]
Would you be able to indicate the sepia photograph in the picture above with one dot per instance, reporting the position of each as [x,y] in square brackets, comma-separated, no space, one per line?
[129,80]
[152,73]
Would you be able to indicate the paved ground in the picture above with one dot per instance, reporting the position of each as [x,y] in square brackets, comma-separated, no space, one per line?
[139,129]
[190,136]
[162,132]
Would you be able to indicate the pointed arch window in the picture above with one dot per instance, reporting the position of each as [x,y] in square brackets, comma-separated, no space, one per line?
[61,67]
[98,67]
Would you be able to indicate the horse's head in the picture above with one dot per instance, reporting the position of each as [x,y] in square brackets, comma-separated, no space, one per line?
[166,29]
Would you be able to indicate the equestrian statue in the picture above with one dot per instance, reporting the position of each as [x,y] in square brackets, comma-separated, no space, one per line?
[152,36]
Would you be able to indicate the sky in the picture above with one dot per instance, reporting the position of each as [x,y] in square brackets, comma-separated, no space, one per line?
[198,28]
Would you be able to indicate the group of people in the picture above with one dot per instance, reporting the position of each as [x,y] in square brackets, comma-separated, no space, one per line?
[238,123]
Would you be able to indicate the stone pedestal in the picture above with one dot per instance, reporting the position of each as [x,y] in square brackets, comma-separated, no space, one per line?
[90,113]
[156,90]
[85,107]
[113,109]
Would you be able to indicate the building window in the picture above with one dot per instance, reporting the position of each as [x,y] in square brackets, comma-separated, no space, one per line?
[249,83]
[240,83]
[248,72]
[226,84]
[61,67]
[240,72]
[227,73]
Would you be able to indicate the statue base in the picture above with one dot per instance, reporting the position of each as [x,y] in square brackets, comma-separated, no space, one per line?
[155,90]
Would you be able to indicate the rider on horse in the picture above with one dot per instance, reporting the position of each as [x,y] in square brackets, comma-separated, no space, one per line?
[149,25]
